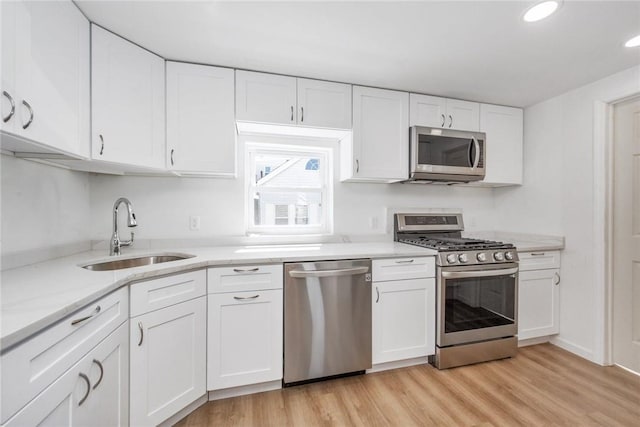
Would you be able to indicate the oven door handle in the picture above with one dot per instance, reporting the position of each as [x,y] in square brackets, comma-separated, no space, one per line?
[485,273]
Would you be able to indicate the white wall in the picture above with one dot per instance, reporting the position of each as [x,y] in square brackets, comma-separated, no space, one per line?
[558,197]
[42,207]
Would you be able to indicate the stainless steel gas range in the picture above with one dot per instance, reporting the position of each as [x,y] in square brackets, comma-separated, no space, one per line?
[476,289]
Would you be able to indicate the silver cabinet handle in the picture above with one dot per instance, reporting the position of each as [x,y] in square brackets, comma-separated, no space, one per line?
[82,319]
[443,120]
[450,120]
[26,104]
[13,106]
[246,270]
[537,253]
[172,150]
[301,114]
[357,166]
[246,298]
[325,273]
[101,144]
[86,378]
[477,158]
[292,113]
[558,279]
[485,273]
[97,362]
[407,261]
[141,333]
[377,295]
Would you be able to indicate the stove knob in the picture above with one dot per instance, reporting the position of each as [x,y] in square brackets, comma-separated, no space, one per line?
[498,256]
[452,258]
[482,257]
[463,258]
[508,256]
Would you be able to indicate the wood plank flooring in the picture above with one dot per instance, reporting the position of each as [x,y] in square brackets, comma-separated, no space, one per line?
[543,385]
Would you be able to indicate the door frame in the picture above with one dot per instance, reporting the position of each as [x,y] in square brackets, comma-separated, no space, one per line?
[603,221]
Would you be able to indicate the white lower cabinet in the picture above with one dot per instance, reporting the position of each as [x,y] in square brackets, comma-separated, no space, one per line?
[93,392]
[538,294]
[168,361]
[403,312]
[245,338]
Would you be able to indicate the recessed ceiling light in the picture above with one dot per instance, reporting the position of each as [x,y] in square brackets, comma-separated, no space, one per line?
[634,42]
[540,11]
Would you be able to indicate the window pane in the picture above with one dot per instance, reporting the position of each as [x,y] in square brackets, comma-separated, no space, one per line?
[273,208]
[284,170]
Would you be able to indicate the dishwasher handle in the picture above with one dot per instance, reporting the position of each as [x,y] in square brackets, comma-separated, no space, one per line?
[326,273]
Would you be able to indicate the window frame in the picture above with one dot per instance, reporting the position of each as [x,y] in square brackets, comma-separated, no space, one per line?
[297,148]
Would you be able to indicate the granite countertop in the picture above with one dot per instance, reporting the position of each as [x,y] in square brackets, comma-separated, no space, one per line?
[36,296]
[522,241]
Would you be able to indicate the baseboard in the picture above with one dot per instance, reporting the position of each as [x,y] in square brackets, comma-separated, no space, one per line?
[243,390]
[398,364]
[574,348]
[183,413]
[534,341]
[628,370]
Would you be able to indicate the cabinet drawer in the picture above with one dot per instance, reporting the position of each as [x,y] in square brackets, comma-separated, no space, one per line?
[540,260]
[158,293]
[244,278]
[403,268]
[30,367]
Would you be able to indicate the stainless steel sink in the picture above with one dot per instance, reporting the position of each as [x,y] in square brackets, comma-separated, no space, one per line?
[119,264]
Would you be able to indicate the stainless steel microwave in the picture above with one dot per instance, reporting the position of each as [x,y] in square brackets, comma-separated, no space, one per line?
[446,155]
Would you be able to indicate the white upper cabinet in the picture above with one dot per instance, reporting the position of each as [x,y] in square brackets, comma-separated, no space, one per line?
[433,111]
[265,98]
[45,77]
[201,137]
[324,104]
[504,129]
[270,98]
[128,103]
[380,150]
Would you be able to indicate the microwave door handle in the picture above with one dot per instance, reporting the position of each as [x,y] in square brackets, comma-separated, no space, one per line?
[476,144]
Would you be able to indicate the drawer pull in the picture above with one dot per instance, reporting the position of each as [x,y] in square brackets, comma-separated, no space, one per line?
[537,253]
[246,270]
[97,362]
[13,106]
[558,279]
[141,333]
[377,295]
[82,319]
[246,298]
[408,261]
[86,378]
[26,104]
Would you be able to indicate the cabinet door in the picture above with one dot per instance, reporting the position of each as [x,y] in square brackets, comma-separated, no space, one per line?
[504,129]
[380,134]
[403,319]
[93,392]
[127,102]
[538,303]
[265,98]
[245,338]
[324,104]
[168,361]
[201,136]
[428,111]
[463,115]
[52,75]
[9,97]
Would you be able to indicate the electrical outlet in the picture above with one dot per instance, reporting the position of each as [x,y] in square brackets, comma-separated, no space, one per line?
[194,223]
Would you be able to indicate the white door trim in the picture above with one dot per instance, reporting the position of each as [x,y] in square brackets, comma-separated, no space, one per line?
[602,222]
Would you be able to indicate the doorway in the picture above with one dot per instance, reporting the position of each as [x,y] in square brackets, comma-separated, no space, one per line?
[626,235]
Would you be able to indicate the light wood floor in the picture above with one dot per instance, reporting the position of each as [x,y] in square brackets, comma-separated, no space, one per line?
[543,385]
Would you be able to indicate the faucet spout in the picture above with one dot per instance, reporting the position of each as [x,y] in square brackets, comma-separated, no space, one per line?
[116,243]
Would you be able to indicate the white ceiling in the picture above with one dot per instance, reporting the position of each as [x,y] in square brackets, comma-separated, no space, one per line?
[473,50]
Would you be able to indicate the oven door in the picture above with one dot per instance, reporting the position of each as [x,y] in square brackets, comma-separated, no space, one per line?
[445,151]
[477,303]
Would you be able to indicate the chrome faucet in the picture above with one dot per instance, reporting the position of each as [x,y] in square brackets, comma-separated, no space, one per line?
[116,243]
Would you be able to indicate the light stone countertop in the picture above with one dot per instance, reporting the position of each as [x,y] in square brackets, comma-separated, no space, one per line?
[523,242]
[38,295]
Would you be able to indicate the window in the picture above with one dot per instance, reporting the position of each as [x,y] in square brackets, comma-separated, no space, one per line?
[289,189]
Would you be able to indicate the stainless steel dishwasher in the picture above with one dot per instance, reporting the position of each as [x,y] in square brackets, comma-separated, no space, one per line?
[327,319]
